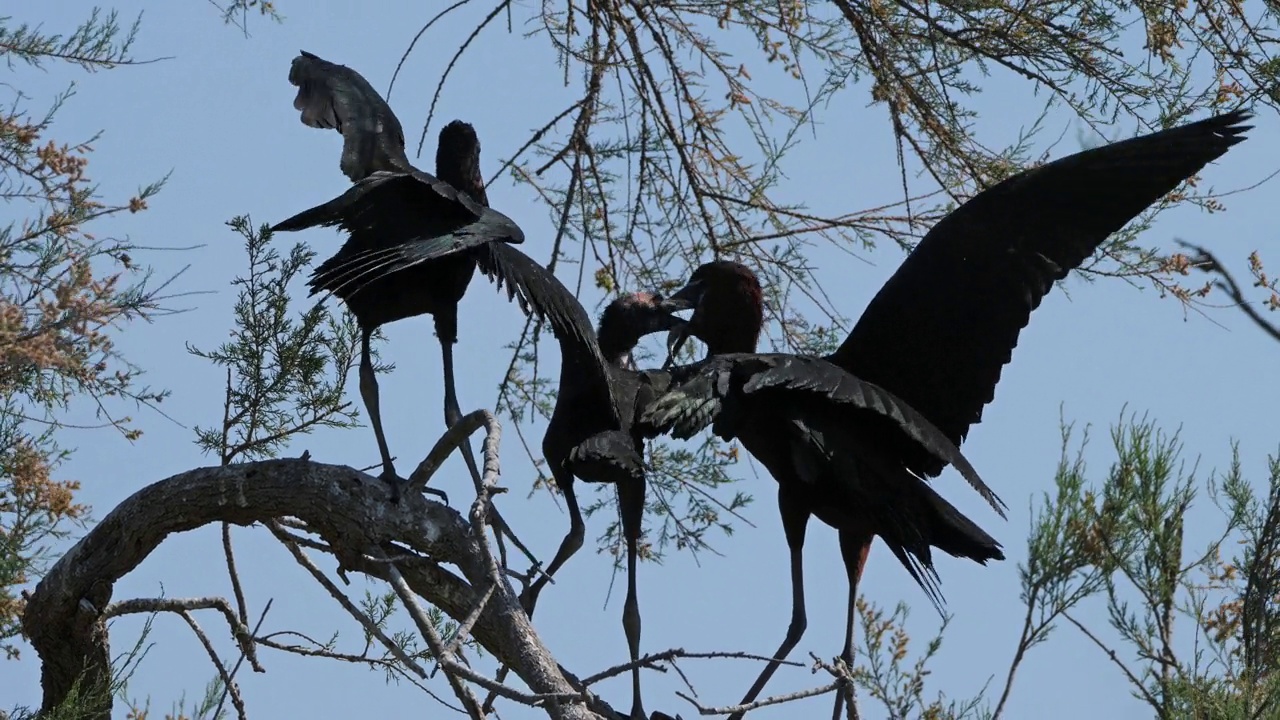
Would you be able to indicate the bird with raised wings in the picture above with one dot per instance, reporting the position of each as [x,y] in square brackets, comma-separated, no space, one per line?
[934,338]
[415,240]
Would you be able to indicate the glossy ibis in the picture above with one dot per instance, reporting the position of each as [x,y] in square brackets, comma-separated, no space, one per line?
[818,430]
[415,240]
[591,436]
[941,329]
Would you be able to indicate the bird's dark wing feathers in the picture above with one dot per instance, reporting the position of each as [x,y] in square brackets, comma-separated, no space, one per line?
[610,456]
[815,375]
[335,96]
[396,204]
[688,401]
[397,220]
[539,291]
[700,400]
[940,330]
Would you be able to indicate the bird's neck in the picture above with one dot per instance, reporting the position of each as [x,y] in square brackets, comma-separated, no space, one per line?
[616,342]
[733,328]
[464,174]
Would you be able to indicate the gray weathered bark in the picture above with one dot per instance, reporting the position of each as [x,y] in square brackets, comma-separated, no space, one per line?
[348,509]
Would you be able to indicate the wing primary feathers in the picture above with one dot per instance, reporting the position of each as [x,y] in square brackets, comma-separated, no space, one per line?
[821,377]
[940,331]
[685,409]
[540,292]
[335,96]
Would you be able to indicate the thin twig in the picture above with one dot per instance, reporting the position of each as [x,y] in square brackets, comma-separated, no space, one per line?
[228,682]
[1227,283]
[373,662]
[1146,695]
[672,654]
[365,621]
[435,642]
[774,700]
[239,631]
[248,643]
[235,576]
[464,629]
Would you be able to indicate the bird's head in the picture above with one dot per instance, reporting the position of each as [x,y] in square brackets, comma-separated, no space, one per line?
[629,318]
[728,308]
[458,160]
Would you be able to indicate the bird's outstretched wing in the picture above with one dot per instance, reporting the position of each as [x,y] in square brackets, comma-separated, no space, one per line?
[703,399]
[335,96]
[397,220]
[685,399]
[540,292]
[940,330]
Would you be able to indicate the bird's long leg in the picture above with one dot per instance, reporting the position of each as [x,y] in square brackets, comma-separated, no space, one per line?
[631,503]
[452,414]
[795,519]
[369,393]
[854,548]
[572,541]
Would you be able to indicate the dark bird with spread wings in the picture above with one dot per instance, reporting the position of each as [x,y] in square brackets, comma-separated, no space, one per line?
[414,240]
[935,338]
[815,427]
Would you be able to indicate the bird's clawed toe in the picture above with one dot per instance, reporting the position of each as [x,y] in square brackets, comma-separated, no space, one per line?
[444,497]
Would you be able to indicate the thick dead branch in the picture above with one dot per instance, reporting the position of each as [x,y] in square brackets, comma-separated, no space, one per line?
[350,512]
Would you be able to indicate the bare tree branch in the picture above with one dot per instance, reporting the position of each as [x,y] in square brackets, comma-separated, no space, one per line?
[348,509]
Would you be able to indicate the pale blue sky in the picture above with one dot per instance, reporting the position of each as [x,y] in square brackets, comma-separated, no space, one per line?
[219,115]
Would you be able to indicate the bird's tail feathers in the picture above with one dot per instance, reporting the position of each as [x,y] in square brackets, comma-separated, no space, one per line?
[920,520]
[947,529]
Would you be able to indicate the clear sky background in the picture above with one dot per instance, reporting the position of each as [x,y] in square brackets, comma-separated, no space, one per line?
[219,116]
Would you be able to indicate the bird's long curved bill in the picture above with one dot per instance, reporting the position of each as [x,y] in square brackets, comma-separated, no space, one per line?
[676,339]
[678,335]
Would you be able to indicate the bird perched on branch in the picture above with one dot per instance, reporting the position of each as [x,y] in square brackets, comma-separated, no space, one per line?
[415,240]
[591,435]
[928,350]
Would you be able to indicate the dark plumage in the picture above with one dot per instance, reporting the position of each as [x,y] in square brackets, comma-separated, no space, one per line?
[812,425]
[591,436]
[335,96]
[940,330]
[936,336]
[414,240]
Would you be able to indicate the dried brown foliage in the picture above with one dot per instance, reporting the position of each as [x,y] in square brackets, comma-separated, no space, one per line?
[64,295]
